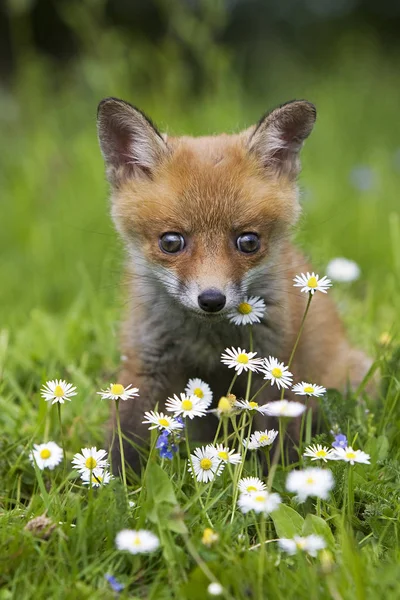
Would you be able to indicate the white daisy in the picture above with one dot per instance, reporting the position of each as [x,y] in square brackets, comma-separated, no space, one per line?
[250,311]
[187,406]
[309,544]
[90,460]
[248,405]
[276,372]
[310,482]
[136,542]
[98,478]
[47,455]
[260,502]
[117,391]
[240,360]
[215,589]
[206,464]
[308,389]
[225,455]
[58,390]
[260,439]
[161,421]
[351,456]
[201,389]
[319,452]
[284,408]
[312,283]
[248,485]
[343,270]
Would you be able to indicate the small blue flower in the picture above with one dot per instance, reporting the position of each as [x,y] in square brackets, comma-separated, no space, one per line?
[340,441]
[162,439]
[116,586]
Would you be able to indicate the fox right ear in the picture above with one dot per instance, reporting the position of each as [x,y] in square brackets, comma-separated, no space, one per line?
[129,142]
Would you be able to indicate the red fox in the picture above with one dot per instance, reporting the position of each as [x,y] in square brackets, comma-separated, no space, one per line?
[207,221]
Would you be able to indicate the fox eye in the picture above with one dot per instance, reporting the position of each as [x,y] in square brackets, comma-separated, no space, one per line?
[171,242]
[248,243]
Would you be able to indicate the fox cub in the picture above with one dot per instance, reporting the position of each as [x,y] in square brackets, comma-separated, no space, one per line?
[206,221]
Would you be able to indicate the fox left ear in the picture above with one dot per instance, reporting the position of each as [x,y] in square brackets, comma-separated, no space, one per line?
[279,136]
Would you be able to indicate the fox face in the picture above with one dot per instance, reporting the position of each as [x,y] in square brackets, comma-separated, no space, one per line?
[203,218]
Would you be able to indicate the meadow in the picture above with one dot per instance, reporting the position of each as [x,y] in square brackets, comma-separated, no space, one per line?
[61,305]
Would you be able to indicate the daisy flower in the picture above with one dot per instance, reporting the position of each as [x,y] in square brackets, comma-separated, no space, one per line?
[284,408]
[209,537]
[247,405]
[319,452]
[240,360]
[248,485]
[47,455]
[352,456]
[187,406]
[308,389]
[117,391]
[225,455]
[312,283]
[136,542]
[215,589]
[161,421]
[260,439]
[343,270]
[90,460]
[310,482]
[260,502]
[206,464]
[198,387]
[98,478]
[309,544]
[58,390]
[250,311]
[276,372]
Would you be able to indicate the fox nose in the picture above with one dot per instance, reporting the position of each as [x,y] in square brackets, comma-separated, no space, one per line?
[211,300]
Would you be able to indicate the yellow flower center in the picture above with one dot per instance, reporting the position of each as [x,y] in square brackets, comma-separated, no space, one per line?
[351,455]
[223,455]
[276,372]
[163,422]
[117,389]
[312,282]
[259,498]
[243,359]
[310,480]
[321,453]
[205,464]
[198,392]
[251,488]
[90,463]
[264,437]
[309,389]
[209,536]
[224,405]
[58,391]
[136,541]
[187,405]
[253,404]
[244,308]
[300,544]
[45,453]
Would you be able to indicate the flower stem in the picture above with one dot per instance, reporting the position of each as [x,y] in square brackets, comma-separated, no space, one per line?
[350,493]
[282,431]
[239,470]
[250,373]
[232,384]
[61,435]
[121,444]
[261,558]
[198,492]
[264,385]
[310,297]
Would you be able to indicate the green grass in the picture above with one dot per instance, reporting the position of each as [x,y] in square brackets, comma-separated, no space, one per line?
[60,308]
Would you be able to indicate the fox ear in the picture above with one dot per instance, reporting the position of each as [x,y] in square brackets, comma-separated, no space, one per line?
[129,142]
[279,136]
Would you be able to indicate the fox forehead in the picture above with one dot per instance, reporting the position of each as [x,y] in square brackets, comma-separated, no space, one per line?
[206,184]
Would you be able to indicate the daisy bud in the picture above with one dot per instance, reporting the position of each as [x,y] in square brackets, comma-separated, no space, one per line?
[224,405]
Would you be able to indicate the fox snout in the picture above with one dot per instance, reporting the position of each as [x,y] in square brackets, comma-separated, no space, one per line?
[211,300]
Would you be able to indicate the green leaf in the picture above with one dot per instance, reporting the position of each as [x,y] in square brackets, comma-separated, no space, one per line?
[318,526]
[287,521]
[159,487]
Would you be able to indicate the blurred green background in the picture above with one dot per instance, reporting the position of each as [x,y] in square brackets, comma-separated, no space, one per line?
[195,66]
